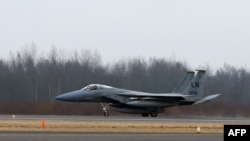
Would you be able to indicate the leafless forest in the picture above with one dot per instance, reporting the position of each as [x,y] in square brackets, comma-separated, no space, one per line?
[29,81]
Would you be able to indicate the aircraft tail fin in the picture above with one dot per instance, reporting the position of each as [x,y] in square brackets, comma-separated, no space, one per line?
[196,86]
[183,83]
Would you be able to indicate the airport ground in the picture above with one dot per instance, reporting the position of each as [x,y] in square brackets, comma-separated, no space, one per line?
[26,127]
[108,137]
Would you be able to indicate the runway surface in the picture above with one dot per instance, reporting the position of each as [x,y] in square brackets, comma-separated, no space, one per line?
[109,137]
[41,136]
[224,120]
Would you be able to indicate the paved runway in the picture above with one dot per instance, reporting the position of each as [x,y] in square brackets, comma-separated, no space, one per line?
[109,137]
[224,120]
[41,136]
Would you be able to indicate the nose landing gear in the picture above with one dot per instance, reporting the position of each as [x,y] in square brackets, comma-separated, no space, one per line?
[105,109]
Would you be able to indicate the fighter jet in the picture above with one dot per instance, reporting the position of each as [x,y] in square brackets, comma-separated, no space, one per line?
[189,91]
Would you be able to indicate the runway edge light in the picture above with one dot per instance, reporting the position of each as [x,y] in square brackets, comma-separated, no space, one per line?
[13,117]
[198,130]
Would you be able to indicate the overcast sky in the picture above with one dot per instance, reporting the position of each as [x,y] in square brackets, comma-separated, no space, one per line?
[199,32]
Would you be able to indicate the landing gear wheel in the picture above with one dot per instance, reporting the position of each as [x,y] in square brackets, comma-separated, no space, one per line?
[154,113]
[106,113]
[105,109]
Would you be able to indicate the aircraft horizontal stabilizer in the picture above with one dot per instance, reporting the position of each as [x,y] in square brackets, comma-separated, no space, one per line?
[207,98]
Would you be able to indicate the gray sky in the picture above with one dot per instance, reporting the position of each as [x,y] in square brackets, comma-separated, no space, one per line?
[199,32]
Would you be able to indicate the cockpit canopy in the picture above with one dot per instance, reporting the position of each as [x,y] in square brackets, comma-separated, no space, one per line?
[92,87]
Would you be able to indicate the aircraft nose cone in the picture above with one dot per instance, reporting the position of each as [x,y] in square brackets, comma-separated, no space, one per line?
[74,96]
[59,97]
[62,97]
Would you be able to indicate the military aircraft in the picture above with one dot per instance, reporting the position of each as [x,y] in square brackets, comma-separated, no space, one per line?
[189,90]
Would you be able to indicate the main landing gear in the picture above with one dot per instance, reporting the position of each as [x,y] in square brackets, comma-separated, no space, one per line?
[105,109]
[153,113]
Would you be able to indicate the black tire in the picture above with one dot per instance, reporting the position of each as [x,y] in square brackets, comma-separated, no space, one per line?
[154,113]
[106,114]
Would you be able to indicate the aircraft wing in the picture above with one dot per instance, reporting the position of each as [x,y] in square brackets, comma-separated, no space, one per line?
[148,96]
[142,96]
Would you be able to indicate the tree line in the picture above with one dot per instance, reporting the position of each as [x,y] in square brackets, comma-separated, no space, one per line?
[29,81]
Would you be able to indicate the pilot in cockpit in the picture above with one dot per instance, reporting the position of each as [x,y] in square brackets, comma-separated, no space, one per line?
[94,87]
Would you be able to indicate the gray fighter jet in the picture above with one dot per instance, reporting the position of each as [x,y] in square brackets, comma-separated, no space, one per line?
[190,90]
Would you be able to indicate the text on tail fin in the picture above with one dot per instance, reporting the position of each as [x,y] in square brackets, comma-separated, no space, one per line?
[196,86]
